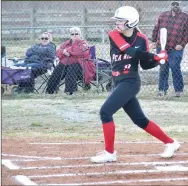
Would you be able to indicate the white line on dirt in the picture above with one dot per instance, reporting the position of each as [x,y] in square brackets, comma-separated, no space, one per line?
[107,164]
[37,158]
[125,181]
[172,168]
[94,142]
[10,165]
[24,180]
[104,173]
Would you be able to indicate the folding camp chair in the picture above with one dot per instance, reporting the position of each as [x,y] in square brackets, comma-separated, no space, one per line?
[42,75]
[103,76]
[13,76]
[42,79]
[81,75]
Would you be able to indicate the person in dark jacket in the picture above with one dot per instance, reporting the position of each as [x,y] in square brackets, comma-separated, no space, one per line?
[38,58]
[128,49]
[74,65]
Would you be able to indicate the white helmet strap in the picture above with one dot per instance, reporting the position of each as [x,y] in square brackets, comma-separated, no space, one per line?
[126,25]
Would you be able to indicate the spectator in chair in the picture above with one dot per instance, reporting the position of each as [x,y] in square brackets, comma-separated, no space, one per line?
[74,65]
[176,23]
[38,58]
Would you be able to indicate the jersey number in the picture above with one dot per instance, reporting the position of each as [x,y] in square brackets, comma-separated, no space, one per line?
[127,67]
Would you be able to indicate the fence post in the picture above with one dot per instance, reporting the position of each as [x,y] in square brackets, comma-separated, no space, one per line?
[102,35]
[84,22]
[33,21]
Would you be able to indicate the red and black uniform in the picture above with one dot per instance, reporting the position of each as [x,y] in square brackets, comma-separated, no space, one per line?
[127,61]
[126,78]
[126,55]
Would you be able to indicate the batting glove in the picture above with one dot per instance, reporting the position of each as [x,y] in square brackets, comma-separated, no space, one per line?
[162,57]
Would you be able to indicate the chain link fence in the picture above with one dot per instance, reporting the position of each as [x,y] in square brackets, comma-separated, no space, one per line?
[24,21]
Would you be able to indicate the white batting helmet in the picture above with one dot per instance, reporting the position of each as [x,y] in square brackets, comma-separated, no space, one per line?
[127,13]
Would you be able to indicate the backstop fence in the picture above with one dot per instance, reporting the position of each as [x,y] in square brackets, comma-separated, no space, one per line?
[24,21]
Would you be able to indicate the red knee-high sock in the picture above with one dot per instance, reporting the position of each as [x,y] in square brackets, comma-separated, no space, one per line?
[109,135]
[157,132]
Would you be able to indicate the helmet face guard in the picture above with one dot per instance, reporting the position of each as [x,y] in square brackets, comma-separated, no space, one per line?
[132,25]
[122,25]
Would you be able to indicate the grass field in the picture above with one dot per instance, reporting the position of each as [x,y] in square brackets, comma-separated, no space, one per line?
[78,117]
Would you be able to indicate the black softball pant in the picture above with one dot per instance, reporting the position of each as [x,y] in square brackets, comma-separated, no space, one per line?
[124,96]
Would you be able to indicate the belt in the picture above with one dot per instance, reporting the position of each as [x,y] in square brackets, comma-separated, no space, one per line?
[117,73]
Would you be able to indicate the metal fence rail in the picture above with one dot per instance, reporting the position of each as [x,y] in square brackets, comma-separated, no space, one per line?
[23,22]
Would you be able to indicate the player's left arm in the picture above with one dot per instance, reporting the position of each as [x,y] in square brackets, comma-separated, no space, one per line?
[125,47]
[150,62]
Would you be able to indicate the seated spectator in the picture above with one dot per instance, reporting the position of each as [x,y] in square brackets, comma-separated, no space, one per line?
[74,64]
[38,58]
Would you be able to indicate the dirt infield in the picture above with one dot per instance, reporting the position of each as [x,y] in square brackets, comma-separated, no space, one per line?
[35,162]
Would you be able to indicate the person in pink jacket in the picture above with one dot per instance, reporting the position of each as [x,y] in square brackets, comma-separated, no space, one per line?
[74,64]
